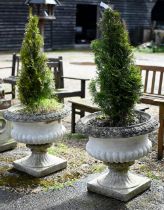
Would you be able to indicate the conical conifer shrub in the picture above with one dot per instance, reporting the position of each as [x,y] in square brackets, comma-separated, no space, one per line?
[35,84]
[118,84]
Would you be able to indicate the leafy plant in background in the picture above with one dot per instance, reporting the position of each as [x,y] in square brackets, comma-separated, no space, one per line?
[35,84]
[118,84]
[149,47]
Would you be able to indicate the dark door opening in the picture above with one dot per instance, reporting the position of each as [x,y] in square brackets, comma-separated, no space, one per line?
[158,22]
[158,14]
[86,20]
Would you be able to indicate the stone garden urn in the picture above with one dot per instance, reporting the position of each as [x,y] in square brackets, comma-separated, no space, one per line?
[118,148]
[6,142]
[38,132]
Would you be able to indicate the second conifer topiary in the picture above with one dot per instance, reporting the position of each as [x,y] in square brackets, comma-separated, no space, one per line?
[118,84]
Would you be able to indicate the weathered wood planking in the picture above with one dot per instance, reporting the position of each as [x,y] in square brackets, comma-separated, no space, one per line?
[61,33]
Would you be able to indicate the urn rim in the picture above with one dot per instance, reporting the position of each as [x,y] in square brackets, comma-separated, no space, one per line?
[13,114]
[149,125]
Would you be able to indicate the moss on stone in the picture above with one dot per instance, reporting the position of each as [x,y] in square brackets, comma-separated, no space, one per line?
[3,169]
[58,149]
[24,181]
[7,159]
[146,170]
[97,168]
[74,136]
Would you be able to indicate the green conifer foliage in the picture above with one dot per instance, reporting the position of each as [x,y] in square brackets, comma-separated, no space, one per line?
[117,86]
[35,84]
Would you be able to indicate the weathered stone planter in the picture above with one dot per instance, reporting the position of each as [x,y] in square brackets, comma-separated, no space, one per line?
[118,147]
[6,142]
[38,132]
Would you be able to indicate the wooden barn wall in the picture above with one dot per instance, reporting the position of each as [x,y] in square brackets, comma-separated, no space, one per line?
[137,15]
[13,15]
[61,33]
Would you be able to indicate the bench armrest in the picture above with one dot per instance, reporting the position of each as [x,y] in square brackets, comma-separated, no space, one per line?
[75,78]
[6,67]
[83,84]
[159,100]
[10,80]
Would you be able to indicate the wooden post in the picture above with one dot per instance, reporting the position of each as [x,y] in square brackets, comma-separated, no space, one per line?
[161,131]
[61,81]
[13,65]
[82,88]
[73,119]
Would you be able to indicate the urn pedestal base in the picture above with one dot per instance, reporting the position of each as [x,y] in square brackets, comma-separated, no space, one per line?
[10,144]
[40,163]
[123,194]
[119,183]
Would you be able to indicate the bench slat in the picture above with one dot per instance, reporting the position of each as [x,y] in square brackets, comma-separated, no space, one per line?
[146,81]
[160,83]
[153,82]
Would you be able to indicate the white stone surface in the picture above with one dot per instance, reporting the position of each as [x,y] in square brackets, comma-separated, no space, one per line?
[123,194]
[6,143]
[37,132]
[10,144]
[119,150]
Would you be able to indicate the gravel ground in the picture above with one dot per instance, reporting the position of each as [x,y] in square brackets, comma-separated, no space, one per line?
[77,198]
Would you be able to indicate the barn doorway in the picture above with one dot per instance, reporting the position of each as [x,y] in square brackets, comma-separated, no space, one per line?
[158,22]
[158,14]
[86,23]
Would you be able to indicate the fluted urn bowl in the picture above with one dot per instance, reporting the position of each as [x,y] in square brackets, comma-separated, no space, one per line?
[118,147]
[38,132]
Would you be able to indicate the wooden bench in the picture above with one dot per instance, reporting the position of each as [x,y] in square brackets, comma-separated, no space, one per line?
[56,65]
[79,107]
[153,93]
[14,73]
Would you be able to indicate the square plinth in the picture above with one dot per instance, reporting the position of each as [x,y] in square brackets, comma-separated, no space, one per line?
[123,194]
[8,145]
[58,164]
